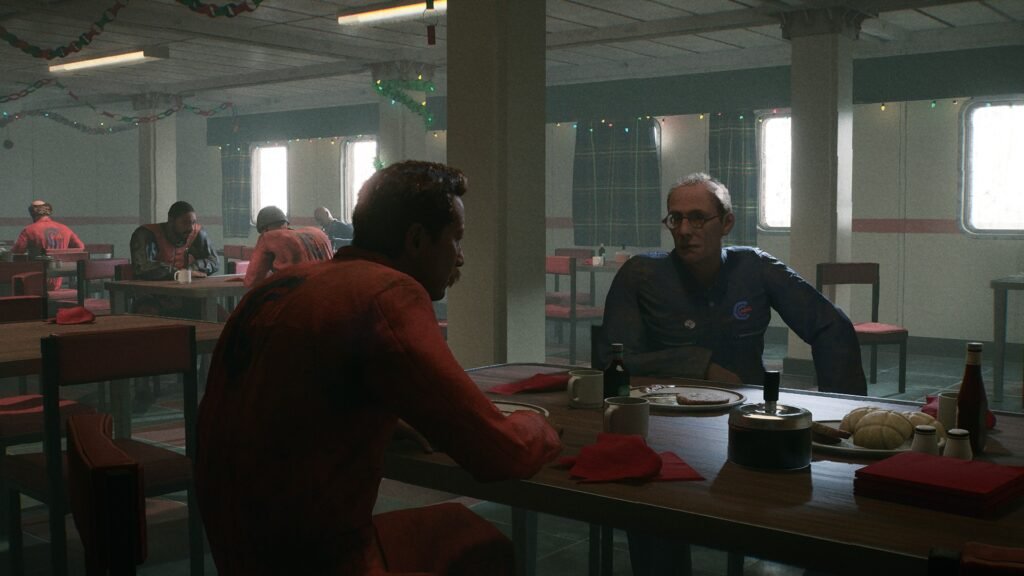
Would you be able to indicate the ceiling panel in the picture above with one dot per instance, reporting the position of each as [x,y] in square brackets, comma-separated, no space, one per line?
[566,10]
[695,43]
[634,9]
[968,14]
[651,49]
[911,20]
[743,38]
[1012,8]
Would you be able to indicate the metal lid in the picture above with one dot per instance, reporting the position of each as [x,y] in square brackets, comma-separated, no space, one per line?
[756,417]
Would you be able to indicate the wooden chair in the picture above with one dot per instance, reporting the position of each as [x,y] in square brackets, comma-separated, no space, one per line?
[92,271]
[106,497]
[236,266]
[100,251]
[571,312]
[22,308]
[247,252]
[116,355]
[9,270]
[233,251]
[870,333]
[562,297]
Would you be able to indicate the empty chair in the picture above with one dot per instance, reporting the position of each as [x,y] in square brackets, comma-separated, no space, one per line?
[562,297]
[22,308]
[236,266]
[91,272]
[233,251]
[870,333]
[571,312]
[10,270]
[116,355]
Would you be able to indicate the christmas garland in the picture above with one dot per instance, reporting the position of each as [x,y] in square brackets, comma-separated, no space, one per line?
[74,46]
[127,122]
[395,90]
[213,10]
[26,91]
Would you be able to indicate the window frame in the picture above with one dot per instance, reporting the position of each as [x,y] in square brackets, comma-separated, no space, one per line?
[964,192]
[762,117]
[348,201]
[255,206]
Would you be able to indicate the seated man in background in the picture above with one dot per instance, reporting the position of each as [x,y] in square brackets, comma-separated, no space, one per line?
[326,358]
[280,246]
[44,233]
[702,311]
[158,250]
[334,228]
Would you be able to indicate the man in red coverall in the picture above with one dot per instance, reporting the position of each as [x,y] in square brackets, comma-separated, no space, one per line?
[308,382]
[44,234]
[280,246]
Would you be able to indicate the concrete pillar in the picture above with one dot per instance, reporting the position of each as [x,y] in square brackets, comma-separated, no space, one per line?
[822,134]
[496,135]
[158,159]
[402,133]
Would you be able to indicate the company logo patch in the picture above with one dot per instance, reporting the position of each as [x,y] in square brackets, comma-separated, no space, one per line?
[741,311]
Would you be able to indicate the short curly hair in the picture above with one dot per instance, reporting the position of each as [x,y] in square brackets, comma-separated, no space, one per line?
[403,194]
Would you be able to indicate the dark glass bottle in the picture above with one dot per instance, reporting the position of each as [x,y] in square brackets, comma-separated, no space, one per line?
[971,402]
[600,250]
[616,376]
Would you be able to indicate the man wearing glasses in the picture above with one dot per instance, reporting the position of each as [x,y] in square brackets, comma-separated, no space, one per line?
[701,311]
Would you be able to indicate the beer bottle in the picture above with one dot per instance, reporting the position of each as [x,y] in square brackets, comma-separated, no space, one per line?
[616,376]
[971,402]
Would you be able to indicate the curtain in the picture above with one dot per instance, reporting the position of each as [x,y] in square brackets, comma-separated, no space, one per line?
[733,159]
[236,177]
[616,196]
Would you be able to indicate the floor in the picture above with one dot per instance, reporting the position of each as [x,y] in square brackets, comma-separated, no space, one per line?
[562,544]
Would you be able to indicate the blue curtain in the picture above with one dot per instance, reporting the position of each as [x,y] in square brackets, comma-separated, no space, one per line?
[616,184]
[733,159]
[236,198]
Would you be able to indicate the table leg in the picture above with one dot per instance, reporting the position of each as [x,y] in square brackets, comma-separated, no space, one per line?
[121,407]
[998,341]
[210,309]
[118,302]
[524,538]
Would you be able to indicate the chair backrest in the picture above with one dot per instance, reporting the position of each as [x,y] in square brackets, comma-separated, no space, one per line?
[233,251]
[833,273]
[8,270]
[22,308]
[577,253]
[100,269]
[69,255]
[106,496]
[100,251]
[124,272]
[564,266]
[247,252]
[236,266]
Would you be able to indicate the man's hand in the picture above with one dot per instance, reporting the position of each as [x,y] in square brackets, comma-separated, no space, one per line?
[198,274]
[404,430]
[718,374]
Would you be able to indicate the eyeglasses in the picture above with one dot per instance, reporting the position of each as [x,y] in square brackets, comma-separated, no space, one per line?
[696,219]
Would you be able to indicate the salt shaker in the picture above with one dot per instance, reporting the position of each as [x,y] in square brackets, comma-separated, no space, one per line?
[925,440]
[958,444]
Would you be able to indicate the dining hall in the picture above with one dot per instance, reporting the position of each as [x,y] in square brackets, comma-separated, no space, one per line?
[485,287]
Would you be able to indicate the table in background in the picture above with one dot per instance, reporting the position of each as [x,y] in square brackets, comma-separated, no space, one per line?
[999,288]
[809,518]
[205,290]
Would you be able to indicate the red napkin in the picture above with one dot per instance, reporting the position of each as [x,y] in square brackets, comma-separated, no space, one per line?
[535,383]
[931,408]
[626,457]
[969,487]
[674,468]
[74,315]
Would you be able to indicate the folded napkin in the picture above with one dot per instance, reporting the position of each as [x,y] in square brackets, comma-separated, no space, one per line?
[535,383]
[626,457]
[970,487]
[931,408]
[74,315]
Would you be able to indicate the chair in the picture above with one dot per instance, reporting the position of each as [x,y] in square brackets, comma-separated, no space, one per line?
[584,298]
[247,252]
[79,358]
[236,266]
[233,251]
[22,308]
[105,494]
[124,272]
[9,270]
[569,313]
[868,333]
[100,251]
[94,270]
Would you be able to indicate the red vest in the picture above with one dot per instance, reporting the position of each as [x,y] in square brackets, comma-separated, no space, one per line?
[168,253]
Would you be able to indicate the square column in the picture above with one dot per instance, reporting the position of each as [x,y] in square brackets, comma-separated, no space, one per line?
[158,159]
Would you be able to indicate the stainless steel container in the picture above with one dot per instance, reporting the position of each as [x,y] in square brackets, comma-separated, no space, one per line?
[770,435]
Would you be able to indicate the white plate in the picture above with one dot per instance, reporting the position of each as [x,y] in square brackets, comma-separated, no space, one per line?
[510,407]
[846,447]
[663,397]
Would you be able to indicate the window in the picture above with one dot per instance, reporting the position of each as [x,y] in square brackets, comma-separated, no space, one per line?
[270,178]
[357,166]
[776,147]
[993,193]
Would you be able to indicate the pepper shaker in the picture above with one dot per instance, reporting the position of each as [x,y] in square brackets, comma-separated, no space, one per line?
[925,440]
[958,444]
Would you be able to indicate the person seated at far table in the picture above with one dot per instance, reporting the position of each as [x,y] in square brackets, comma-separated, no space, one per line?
[328,360]
[334,228]
[281,246]
[159,250]
[701,311]
[45,233]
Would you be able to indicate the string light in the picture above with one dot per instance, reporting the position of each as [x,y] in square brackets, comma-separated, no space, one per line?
[883,107]
[933,104]
[701,117]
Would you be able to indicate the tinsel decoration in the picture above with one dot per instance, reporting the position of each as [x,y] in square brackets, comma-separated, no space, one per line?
[395,90]
[75,45]
[26,91]
[214,10]
[126,122]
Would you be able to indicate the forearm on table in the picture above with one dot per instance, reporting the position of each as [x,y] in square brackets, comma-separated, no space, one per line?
[685,362]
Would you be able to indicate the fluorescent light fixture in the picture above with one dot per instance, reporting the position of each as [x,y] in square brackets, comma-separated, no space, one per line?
[389,11]
[114,60]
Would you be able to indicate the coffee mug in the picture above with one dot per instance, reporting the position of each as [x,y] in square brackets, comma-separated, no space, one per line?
[947,409]
[586,388]
[183,276]
[626,415]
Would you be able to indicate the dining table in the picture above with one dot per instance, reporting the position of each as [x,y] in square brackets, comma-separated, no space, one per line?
[809,518]
[206,291]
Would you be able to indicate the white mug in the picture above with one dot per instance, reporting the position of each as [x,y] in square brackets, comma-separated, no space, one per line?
[947,410]
[597,261]
[586,388]
[183,276]
[626,415]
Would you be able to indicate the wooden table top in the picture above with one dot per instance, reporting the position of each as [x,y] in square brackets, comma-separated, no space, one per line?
[809,518]
[213,286]
[19,341]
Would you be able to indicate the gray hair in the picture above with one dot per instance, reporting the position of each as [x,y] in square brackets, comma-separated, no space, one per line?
[717,189]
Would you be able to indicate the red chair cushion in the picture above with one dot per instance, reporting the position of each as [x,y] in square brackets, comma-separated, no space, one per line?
[878,328]
[22,416]
[456,542]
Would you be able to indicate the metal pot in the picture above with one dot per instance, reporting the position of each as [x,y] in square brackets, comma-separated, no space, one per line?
[770,435]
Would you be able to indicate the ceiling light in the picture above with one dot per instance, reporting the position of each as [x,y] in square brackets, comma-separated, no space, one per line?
[114,60]
[389,11]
